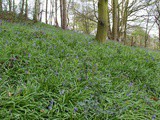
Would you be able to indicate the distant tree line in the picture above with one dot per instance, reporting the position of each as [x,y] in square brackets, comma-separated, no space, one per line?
[114,19]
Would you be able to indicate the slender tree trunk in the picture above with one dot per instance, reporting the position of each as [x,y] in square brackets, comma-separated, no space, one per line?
[38,10]
[68,6]
[10,5]
[108,24]
[35,15]
[64,25]
[61,11]
[26,9]
[50,13]
[115,19]
[118,23]
[159,36]
[125,18]
[146,33]
[46,11]
[14,6]
[0,5]
[56,9]
[22,8]
[121,21]
[41,12]
[102,21]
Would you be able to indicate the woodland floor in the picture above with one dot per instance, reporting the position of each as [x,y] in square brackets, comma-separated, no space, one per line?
[49,73]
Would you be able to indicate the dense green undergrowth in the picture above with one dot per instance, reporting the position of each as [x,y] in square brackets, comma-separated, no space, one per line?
[49,73]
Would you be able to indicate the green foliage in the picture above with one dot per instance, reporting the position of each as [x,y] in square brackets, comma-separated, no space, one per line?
[138,32]
[139,36]
[13,17]
[49,73]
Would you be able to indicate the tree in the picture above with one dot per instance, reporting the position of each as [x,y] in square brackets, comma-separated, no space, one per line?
[22,8]
[64,24]
[83,16]
[102,21]
[157,17]
[56,9]
[26,9]
[10,5]
[124,20]
[115,19]
[46,11]
[0,5]
[14,6]
[36,9]
[63,13]
[51,16]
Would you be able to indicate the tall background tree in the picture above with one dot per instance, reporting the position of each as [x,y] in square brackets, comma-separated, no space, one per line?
[115,19]
[22,8]
[26,9]
[102,21]
[0,5]
[56,13]
[46,12]
[123,17]
[10,5]
[64,19]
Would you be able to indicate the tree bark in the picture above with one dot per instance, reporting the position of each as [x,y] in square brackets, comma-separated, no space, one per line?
[14,6]
[61,11]
[51,11]
[102,21]
[0,5]
[46,11]
[108,24]
[125,19]
[56,9]
[22,8]
[35,15]
[64,24]
[26,9]
[10,5]
[115,19]
[159,36]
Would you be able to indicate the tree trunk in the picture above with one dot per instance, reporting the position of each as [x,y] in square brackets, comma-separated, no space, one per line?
[35,15]
[146,32]
[159,36]
[61,11]
[46,11]
[22,8]
[10,5]
[115,19]
[64,25]
[51,12]
[102,21]
[108,25]
[56,9]
[0,5]
[14,6]
[125,18]
[41,12]
[26,10]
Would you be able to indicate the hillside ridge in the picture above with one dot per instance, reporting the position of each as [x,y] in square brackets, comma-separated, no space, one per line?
[50,73]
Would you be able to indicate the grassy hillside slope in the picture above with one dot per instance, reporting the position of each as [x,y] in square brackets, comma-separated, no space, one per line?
[49,73]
